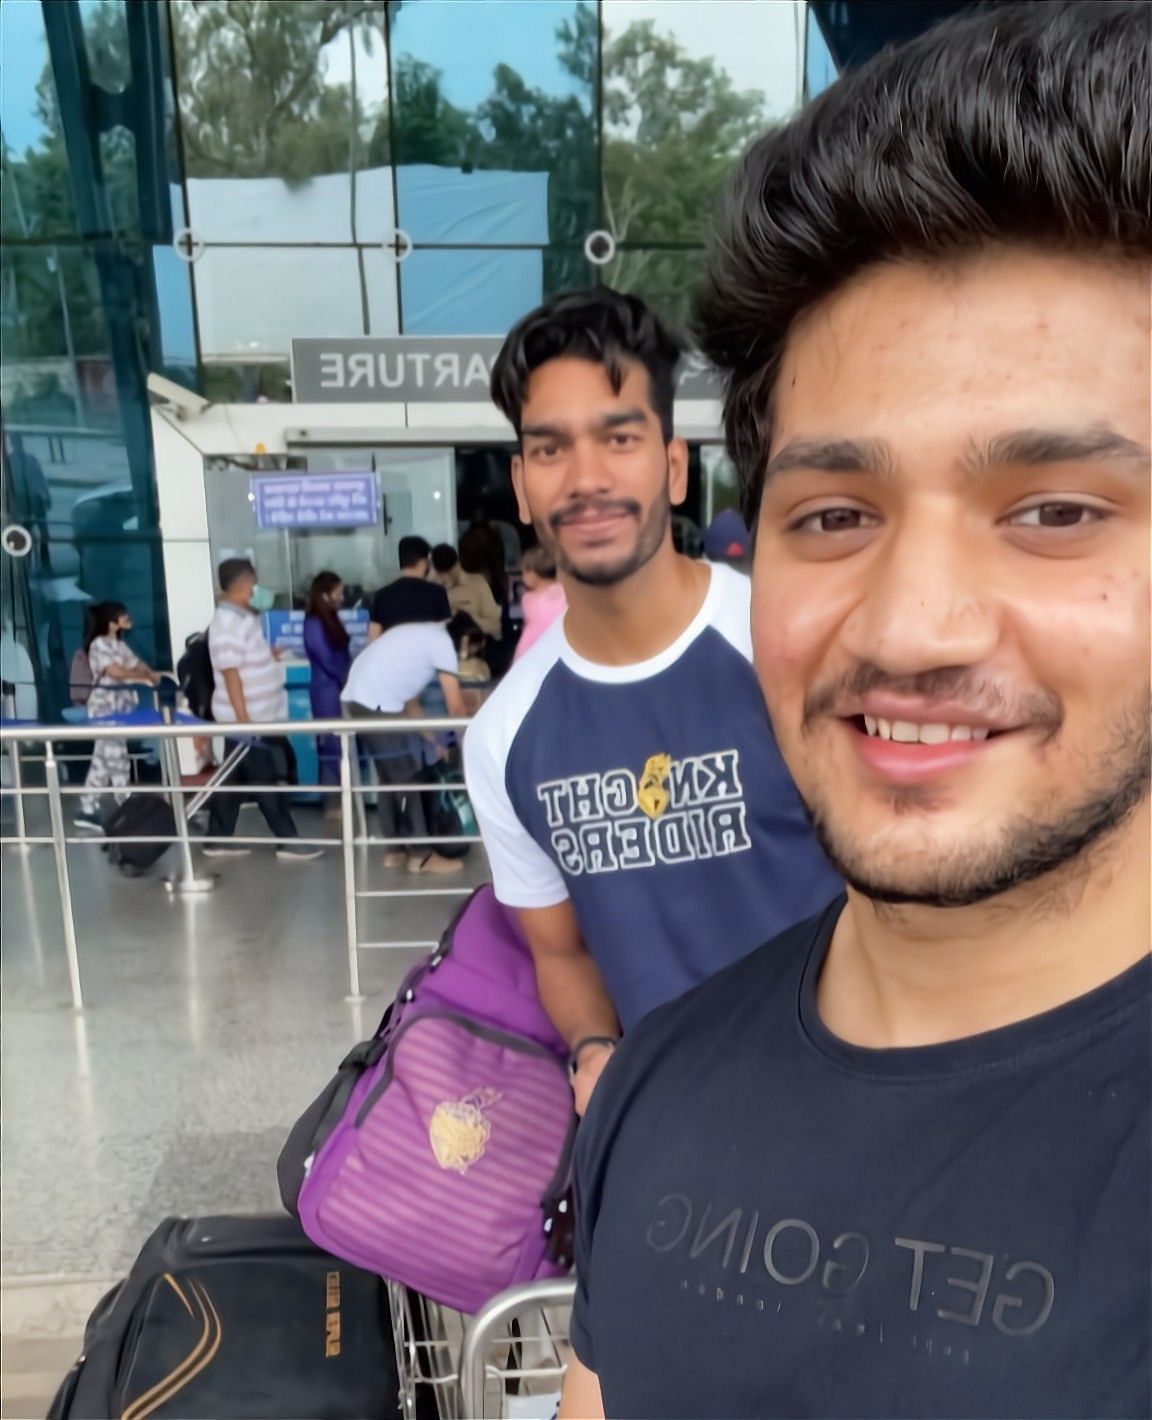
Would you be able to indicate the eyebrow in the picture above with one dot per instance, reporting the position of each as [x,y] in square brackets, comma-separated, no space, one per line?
[616,419]
[1032,448]
[832,456]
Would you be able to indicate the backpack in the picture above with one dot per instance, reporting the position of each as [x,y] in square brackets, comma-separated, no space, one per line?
[439,1155]
[196,676]
[239,1317]
[80,678]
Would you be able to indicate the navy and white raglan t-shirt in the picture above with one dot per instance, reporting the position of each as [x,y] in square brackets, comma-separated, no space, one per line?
[772,1222]
[654,796]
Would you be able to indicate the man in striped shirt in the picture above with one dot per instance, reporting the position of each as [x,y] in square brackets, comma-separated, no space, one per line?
[249,689]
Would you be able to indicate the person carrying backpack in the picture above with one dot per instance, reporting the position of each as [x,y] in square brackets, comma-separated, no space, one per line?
[112,662]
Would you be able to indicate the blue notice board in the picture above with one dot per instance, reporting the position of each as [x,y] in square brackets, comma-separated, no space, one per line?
[284,630]
[316,500]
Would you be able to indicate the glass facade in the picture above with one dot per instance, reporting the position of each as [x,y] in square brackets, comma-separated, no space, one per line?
[90,301]
[188,184]
[432,167]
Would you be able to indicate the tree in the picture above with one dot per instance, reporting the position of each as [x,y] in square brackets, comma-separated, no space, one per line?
[673,127]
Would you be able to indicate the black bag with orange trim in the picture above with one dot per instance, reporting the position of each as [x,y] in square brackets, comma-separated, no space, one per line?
[240,1317]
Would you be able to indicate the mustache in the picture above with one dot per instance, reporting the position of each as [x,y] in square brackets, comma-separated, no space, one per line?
[978,692]
[596,507]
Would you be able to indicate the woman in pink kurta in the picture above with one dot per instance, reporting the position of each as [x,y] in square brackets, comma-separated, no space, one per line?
[544,598]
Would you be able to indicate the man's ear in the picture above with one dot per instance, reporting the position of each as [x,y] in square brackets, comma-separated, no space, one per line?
[518,489]
[677,472]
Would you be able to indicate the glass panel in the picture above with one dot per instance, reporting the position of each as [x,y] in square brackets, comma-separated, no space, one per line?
[177,324]
[37,190]
[381,280]
[268,109]
[106,38]
[469,292]
[819,66]
[722,486]
[251,301]
[511,96]
[234,382]
[685,89]
[55,338]
[417,496]
[667,280]
[375,210]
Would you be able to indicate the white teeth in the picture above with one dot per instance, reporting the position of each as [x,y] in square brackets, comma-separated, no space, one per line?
[909,733]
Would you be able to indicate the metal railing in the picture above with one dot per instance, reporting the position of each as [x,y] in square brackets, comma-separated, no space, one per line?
[187,800]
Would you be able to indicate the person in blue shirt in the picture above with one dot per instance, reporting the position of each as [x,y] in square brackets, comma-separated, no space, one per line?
[633,805]
[326,644]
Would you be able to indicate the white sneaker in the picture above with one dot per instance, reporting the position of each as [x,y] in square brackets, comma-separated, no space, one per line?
[299,852]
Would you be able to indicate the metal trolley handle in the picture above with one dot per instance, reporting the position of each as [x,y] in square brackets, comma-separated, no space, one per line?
[491,1322]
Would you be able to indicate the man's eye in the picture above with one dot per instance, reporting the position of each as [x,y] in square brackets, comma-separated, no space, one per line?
[1056,515]
[835,520]
[545,451]
[622,441]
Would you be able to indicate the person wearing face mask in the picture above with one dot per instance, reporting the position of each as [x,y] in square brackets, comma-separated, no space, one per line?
[112,662]
[326,646]
[249,688]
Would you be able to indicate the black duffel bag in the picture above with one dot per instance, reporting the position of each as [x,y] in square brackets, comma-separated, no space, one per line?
[238,1317]
[139,816]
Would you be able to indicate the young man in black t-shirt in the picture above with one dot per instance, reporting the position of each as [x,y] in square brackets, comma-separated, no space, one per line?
[411,597]
[896,1163]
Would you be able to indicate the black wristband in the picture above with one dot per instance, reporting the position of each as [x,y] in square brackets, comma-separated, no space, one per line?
[574,1058]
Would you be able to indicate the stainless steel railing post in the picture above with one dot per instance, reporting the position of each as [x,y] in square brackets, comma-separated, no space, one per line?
[186,881]
[60,849]
[349,869]
[18,795]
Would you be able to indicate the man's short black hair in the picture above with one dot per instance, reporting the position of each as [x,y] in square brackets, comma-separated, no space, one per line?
[232,569]
[609,328]
[411,551]
[463,627]
[1023,124]
[444,557]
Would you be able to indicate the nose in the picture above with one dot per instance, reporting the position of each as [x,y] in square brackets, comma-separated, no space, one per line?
[588,471]
[925,605]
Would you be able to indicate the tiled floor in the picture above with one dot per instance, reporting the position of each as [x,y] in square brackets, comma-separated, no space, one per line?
[209,1024]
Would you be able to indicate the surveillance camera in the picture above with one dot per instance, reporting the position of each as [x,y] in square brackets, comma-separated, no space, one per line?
[16,540]
[182,400]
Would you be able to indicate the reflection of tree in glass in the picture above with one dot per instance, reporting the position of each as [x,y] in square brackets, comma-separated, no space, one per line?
[673,126]
[254,98]
[255,101]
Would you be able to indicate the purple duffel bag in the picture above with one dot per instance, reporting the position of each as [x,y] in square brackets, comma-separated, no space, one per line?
[439,1156]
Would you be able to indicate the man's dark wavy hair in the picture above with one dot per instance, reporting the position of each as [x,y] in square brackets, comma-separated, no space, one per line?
[608,327]
[1022,124]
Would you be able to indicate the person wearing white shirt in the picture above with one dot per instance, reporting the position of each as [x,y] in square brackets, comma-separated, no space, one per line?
[249,688]
[385,683]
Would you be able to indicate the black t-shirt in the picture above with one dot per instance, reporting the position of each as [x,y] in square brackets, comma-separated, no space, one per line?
[772,1222]
[409,599]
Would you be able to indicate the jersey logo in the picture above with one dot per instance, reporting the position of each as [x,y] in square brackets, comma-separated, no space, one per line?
[459,1131]
[652,796]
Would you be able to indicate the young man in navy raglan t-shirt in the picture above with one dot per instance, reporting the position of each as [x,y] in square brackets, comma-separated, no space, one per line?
[632,801]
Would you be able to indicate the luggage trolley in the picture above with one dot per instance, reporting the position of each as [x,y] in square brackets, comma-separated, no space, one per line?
[505,1363]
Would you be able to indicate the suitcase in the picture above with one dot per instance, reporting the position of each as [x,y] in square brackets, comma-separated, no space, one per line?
[239,1317]
[139,816]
